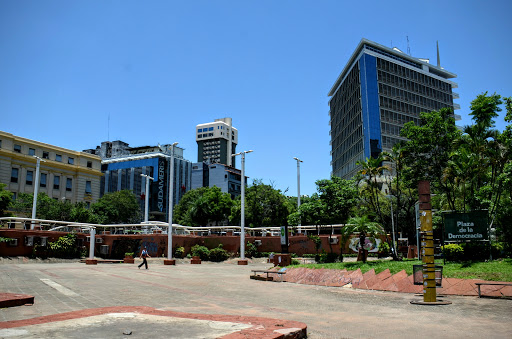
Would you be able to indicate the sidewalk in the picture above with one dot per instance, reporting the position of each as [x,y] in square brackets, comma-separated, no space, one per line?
[163,298]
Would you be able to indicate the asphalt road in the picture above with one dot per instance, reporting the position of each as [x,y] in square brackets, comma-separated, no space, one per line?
[225,288]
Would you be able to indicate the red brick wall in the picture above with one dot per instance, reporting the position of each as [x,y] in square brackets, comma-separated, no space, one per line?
[157,243]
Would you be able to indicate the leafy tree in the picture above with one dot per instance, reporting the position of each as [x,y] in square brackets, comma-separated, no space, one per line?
[116,208]
[365,227]
[371,172]
[264,206]
[203,205]
[428,150]
[5,200]
[182,211]
[22,206]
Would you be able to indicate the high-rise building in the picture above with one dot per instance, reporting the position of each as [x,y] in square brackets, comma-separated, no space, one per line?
[64,174]
[216,142]
[123,166]
[379,90]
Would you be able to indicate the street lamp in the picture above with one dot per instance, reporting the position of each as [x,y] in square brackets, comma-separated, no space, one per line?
[298,189]
[36,191]
[171,197]
[392,224]
[242,217]
[146,202]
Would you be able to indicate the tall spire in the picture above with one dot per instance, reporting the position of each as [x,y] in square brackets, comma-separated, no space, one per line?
[438,60]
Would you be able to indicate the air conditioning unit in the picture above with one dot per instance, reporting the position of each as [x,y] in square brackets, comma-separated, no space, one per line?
[44,241]
[333,240]
[13,242]
[29,240]
[99,240]
[257,242]
[88,238]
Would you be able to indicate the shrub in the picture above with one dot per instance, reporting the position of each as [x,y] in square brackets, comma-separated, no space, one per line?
[295,262]
[179,252]
[201,252]
[384,249]
[218,254]
[251,250]
[453,252]
[65,247]
[325,258]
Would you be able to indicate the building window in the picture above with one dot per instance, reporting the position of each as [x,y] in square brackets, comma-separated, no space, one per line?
[88,187]
[30,177]
[89,164]
[0,143]
[43,180]
[58,157]
[31,151]
[199,130]
[46,155]
[210,129]
[14,174]
[17,148]
[56,182]
[71,161]
[69,184]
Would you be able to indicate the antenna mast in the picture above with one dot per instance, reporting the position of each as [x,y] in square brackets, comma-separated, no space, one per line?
[408,48]
[438,59]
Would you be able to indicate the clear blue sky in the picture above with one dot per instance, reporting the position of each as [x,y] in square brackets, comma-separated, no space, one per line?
[159,68]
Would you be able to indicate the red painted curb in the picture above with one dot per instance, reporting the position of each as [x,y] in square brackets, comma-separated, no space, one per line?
[260,327]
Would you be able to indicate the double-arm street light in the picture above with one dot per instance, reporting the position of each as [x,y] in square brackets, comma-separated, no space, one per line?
[146,200]
[298,189]
[242,212]
[36,191]
[171,198]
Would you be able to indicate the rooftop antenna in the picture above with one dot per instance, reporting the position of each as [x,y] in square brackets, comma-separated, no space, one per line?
[408,48]
[438,59]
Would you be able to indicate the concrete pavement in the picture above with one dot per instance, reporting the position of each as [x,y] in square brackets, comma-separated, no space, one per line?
[221,289]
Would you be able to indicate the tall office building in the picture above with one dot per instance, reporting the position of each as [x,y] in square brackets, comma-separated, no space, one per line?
[216,142]
[379,90]
[123,165]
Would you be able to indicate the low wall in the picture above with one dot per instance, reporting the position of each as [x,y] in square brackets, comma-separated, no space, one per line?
[113,245]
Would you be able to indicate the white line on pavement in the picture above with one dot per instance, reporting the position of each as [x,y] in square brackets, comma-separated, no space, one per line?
[60,288]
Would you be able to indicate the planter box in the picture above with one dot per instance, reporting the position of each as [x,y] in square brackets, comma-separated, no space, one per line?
[195,261]
[128,260]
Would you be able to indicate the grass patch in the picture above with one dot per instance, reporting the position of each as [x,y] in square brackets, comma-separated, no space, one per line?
[496,270]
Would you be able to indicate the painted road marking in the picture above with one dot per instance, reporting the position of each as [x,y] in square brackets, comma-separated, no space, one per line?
[60,288]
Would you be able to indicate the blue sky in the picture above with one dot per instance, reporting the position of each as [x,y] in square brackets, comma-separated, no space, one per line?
[159,68]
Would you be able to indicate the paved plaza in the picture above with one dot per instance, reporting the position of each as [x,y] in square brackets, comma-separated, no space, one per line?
[224,289]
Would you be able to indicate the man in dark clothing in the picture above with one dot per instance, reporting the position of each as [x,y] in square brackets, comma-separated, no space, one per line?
[143,256]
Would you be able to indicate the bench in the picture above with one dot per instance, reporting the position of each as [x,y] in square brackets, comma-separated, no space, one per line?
[257,277]
[490,283]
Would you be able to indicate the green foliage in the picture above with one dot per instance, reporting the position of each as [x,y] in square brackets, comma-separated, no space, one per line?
[251,250]
[200,206]
[453,252]
[316,240]
[129,254]
[116,208]
[65,247]
[179,252]
[330,257]
[5,200]
[2,239]
[200,251]
[384,249]
[218,254]
[264,206]
[22,206]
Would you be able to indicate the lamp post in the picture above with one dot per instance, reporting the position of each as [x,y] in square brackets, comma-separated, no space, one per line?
[242,260]
[171,198]
[36,191]
[392,224]
[298,190]
[146,202]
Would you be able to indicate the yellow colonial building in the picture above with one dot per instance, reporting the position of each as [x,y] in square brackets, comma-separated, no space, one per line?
[65,174]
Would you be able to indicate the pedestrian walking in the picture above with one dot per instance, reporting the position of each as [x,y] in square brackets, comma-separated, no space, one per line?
[144,254]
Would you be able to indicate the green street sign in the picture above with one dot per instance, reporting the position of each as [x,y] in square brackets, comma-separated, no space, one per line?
[466,226]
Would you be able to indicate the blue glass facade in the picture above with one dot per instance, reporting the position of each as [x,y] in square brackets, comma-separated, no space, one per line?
[370,106]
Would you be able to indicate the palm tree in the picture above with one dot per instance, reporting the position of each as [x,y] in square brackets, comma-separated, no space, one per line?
[365,227]
[371,169]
